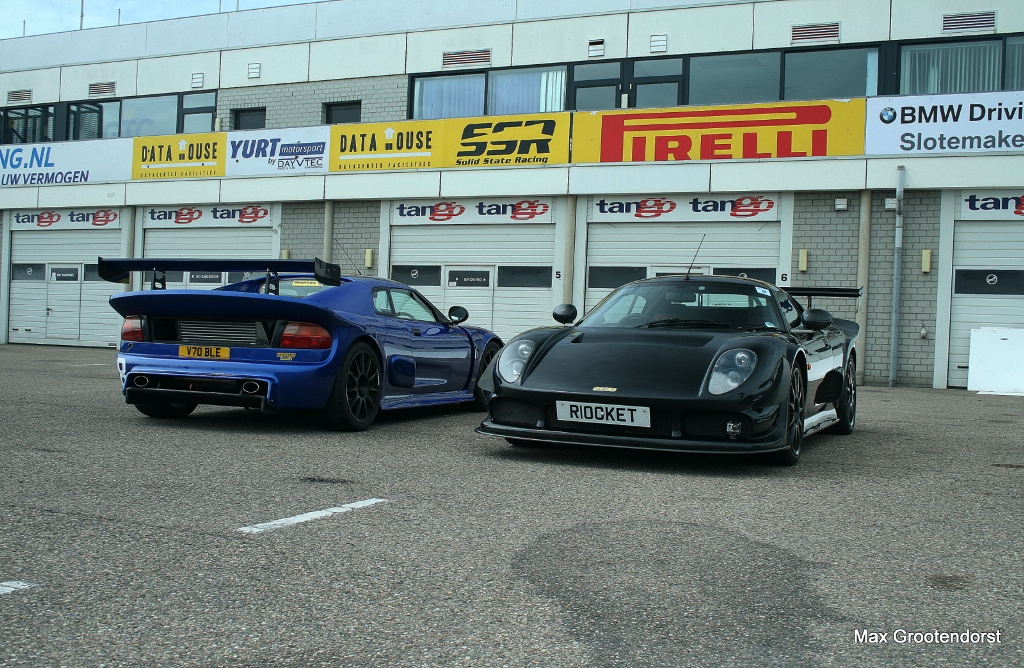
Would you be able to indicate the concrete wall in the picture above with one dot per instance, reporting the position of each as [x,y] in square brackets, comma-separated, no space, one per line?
[302,104]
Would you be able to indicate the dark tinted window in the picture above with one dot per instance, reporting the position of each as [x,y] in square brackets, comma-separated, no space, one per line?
[813,75]
[657,95]
[596,98]
[172,277]
[613,277]
[989,282]
[343,112]
[250,119]
[98,120]
[766,275]
[28,272]
[664,67]
[524,277]
[595,71]
[735,78]
[92,273]
[29,126]
[416,274]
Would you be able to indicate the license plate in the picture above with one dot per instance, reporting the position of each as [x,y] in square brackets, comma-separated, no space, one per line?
[205,352]
[623,416]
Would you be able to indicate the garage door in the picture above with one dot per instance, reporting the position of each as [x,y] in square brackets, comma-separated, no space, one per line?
[207,243]
[56,294]
[988,286]
[502,274]
[618,253]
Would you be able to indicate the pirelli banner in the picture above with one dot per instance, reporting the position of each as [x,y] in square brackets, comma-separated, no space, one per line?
[487,141]
[736,132]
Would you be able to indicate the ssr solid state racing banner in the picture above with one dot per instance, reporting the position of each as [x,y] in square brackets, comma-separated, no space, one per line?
[735,132]
[488,141]
[951,124]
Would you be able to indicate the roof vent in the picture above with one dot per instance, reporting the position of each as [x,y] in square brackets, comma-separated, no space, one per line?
[197,79]
[975,21]
[103,89]
[473,58]
[19,96]
[659,43]
[254,70]
[815,32]
[595,48]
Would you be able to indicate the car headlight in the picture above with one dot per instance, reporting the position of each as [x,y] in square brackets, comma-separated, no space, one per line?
[513,359]
[731,370]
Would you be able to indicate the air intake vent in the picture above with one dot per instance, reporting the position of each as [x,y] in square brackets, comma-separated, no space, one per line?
[198,79]
[595,48]
[254,70]
[975,21]
[815,32]
[104,89]
[475,58]
[19,96]
[659,43]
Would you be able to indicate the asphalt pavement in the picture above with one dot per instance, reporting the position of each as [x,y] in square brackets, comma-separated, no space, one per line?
[119,540]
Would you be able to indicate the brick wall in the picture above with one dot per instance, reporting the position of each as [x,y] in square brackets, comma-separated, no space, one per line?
[356,228]
[830,238]
[302,229]
[302,104]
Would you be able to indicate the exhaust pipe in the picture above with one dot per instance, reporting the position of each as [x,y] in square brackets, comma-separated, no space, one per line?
[140,381]
[250,387]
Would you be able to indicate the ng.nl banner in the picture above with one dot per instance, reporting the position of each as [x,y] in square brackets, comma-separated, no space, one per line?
[488,141]
[735,132]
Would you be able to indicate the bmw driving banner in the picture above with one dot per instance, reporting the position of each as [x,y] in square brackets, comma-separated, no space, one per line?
[946,124]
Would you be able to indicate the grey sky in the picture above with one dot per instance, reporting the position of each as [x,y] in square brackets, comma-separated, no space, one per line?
[44,16]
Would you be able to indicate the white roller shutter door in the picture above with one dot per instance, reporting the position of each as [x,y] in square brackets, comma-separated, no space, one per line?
[209,243]
[659,246]
[982,245]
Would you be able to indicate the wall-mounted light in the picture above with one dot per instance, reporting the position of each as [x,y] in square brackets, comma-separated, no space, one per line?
[842,204]
[368,260]
[926,261]
[286,254]
[802,262]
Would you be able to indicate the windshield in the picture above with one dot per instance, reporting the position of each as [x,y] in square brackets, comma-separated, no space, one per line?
[296,287]
[688,304]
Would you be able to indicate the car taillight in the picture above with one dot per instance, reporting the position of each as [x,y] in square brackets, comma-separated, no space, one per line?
[131,330]
[305,335]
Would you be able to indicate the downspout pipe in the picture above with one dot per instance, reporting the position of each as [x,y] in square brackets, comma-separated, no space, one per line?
[863,272]
[897,275]
[328,255]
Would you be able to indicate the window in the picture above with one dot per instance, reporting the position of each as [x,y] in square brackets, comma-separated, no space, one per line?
[962,67]
[449,96]
[524,277]
[526,91]
[1014,63]
[28,272]
[93,120]
[198,111]
[29,125]
[408,306]
[813,75]
[735,78]
[613,277]
[417,275]
[657,83]
[596,86]
[147,116]
[381,302]
[343,112]
[250,119]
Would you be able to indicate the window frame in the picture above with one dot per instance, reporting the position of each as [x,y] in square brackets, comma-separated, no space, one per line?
[351,104]
[962,39]
[235,114]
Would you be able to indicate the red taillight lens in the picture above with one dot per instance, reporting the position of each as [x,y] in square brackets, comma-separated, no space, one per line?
[305,335]
[131,330]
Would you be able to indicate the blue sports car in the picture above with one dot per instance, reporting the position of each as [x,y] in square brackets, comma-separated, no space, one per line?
[298,335]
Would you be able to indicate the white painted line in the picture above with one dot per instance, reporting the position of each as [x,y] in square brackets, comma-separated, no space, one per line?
[93,364]
[305,517]
[14,585]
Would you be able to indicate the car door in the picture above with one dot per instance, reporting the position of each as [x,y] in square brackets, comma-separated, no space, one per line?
[443,354]
[816,346]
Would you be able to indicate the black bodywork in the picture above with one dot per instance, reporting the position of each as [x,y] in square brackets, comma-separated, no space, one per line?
[667,368]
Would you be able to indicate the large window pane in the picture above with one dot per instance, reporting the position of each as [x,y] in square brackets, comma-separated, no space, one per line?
[93,120]
[595,71]
[147,116]
[199,100]
[29,126]
[663,67]
[526,91]
[813,75]
[1015,63]
[596,98]
[742,77]
[449,97]
[965,67]
[657,95]
[198,122]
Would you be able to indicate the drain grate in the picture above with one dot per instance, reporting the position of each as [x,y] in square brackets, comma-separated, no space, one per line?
[1010,466]
[325,481]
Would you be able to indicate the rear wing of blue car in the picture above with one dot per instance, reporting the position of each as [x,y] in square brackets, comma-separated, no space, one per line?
[118,270]
[811,293]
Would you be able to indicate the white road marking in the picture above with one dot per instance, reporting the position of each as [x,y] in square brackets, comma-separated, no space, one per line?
[93,364]
[305,517]
[14,585]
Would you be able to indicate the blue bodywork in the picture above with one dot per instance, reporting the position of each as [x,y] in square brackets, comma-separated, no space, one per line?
[422,363]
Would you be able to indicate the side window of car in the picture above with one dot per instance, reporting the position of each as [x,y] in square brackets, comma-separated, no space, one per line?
[381,302]
[409,307]
[790,309]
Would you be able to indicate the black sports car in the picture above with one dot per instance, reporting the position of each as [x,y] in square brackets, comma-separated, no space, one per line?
[692,363]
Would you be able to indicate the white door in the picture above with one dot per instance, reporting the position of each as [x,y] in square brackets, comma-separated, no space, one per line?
[472,287]
[63,301]
[988,286]
[28,303]
[205,243]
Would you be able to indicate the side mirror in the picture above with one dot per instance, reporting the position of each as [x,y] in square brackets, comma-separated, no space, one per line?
[458,314]
[564,313]
[816,319]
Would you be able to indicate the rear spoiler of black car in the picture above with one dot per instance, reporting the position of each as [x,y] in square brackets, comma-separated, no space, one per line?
[118,270]
[811,293]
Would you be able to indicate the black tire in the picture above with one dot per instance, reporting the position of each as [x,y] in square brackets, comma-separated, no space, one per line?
[794,421]
[846,405]
[355,397]
[480,396]
[166,411]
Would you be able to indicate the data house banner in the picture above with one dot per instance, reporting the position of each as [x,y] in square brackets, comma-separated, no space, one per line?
[179,156]
[734,132]
[488,141]
[52,164]
[946,124]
